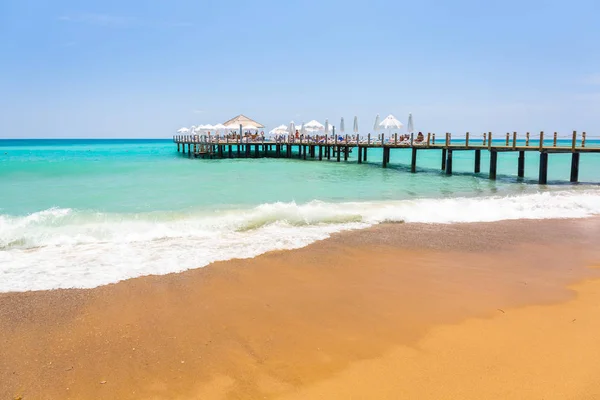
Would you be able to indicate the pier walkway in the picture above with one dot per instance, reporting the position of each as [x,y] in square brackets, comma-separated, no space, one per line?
[325,147]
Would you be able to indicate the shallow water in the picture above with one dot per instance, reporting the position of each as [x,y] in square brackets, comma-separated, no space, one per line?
[81,213]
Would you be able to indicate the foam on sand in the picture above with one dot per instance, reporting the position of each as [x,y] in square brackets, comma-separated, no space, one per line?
[65,248]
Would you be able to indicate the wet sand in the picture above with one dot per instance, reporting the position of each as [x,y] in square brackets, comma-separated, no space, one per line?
[396,311]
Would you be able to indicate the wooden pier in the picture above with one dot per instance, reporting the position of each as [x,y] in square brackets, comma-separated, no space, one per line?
[326,148]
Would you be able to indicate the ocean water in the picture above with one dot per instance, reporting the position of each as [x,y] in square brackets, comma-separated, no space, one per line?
[83,213]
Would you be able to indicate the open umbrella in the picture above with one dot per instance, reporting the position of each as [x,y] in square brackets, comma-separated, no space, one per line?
[183,130]
[292,128]
[355,129]
[280,130]
[314,126]
[390,122]
[219,127]
[327,127]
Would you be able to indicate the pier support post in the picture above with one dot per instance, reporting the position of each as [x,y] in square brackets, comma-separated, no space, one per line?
[248,150]
[493,164]
[304,152]
[365,154]
[230,151]
[359,155]
[575,167]
[449,163]
[543,177]
[385,159]
[444,151]
[220,151]
[337,153]
[413,161]
[346,153]
[320,152]
[477,168]
[521,165]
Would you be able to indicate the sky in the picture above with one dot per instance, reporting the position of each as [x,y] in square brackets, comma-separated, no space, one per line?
[119,68]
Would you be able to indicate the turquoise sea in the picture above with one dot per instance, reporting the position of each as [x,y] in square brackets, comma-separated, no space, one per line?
[82,213]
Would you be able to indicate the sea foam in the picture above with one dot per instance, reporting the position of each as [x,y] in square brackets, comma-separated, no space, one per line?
[65,248]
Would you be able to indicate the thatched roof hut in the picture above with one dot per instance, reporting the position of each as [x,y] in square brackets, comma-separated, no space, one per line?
[242,119]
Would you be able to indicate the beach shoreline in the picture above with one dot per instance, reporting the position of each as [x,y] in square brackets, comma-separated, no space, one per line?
[288,322]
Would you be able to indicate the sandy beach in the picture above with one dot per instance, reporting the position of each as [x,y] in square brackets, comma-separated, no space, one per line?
[502,310]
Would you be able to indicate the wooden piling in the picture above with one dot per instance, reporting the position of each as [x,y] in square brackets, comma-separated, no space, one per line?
[444,159]
[554,139]
[583,139]
[541,140]
[449,162]
[507,138]
[514,140]
[477,167]
[365,154]
[385,158]
[360,155]
[575,167]
[527,139]
[337,154]
[574,141]
[413,160]
[543,175]
[320,152]
[484,138]
[489,140]
[428,138]
[467,140]
[521,164]
[433,139]
[493,164]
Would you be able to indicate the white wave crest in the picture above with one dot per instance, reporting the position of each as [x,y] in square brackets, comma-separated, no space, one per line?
[64,248]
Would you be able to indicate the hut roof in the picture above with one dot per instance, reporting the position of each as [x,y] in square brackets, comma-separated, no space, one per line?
[242,119]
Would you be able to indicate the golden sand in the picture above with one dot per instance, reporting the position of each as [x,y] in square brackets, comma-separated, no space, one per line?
[397,311]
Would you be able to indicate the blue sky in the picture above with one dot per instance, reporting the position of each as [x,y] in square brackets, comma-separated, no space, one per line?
[145,68]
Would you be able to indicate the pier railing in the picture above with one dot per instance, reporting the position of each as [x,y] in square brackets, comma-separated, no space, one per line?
[320,146]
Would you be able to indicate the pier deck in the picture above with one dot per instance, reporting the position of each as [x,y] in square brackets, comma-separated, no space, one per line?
[215,147]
